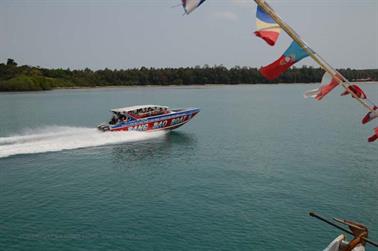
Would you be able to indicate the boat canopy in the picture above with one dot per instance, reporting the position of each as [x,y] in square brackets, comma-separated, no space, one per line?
[139,108]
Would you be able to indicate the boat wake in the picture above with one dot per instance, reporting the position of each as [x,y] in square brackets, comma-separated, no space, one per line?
[58,138]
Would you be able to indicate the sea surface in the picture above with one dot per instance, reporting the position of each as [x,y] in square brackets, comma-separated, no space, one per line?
[242,175]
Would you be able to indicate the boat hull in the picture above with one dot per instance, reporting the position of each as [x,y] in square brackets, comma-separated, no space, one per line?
[169,121]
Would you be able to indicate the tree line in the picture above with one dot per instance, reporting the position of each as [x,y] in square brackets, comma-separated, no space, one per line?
[29,78]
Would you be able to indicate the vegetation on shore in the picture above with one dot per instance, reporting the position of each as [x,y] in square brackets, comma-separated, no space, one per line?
[29,78]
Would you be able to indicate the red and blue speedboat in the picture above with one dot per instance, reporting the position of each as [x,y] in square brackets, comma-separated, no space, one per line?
[148,118]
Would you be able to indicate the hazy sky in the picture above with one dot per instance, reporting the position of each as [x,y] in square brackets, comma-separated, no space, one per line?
[152,33]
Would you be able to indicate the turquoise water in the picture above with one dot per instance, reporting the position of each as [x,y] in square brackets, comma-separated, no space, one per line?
[242,175]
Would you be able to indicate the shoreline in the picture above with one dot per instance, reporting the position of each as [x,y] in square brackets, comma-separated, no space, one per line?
[26,78]
[199,86]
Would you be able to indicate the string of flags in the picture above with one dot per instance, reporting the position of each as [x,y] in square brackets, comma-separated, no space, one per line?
[268,27]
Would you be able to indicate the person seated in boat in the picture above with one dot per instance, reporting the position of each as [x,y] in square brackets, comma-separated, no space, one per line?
[123,118]
[141,112]
[134,115]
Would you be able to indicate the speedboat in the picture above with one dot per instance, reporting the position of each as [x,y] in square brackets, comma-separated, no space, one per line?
[148,118]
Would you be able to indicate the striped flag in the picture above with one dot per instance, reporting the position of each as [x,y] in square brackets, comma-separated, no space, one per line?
[267,28]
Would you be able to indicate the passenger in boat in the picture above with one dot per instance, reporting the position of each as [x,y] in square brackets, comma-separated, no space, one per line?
[114,120]
[123,118]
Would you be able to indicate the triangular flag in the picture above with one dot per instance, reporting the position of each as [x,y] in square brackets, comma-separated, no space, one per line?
[371,115]
[327,85]
[190,5]
[375,136]
[356,90]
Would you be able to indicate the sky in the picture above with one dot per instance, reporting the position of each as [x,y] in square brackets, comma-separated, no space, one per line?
[119,34]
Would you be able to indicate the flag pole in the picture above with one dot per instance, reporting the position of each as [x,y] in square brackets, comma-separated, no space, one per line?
[322,63]
[313,214]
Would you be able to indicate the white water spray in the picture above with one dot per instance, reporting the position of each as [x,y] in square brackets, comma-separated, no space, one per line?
[58,138]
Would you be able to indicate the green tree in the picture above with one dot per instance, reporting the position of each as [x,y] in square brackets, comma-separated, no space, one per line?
[11,62]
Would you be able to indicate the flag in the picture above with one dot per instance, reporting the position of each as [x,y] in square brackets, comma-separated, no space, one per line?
[327,85]
[375,136]
[190,5]
[356,90]
[292,55]
[267,28]
[371,115]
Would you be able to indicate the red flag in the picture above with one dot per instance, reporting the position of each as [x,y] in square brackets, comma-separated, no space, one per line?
[275,69]
[371,115]
[327,85]
[292,55]
[375,136]
[269,36]
[327,89]
[356,90]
